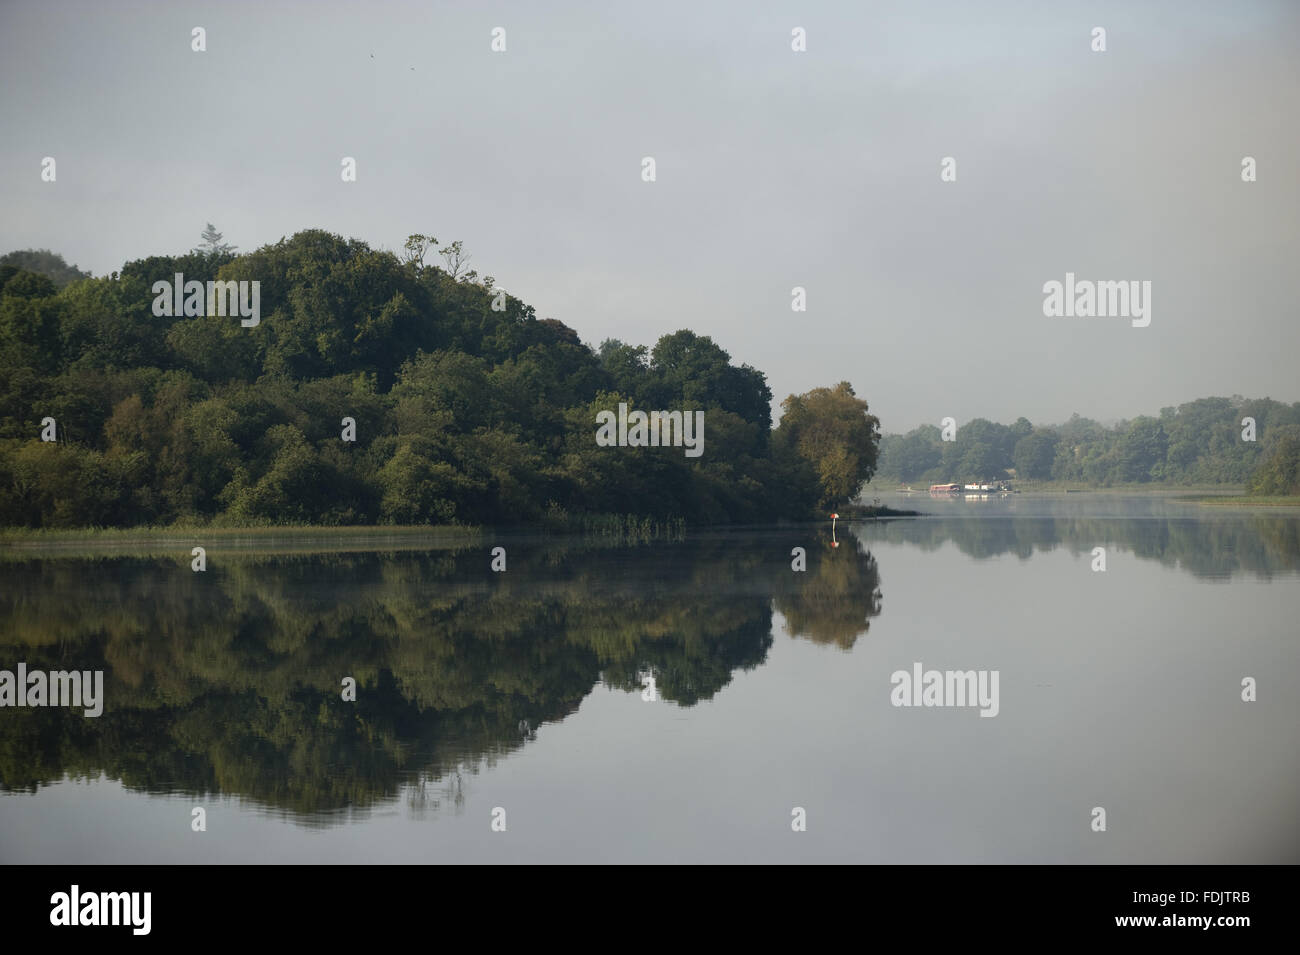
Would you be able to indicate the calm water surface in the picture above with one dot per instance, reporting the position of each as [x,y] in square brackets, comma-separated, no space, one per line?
[526,691]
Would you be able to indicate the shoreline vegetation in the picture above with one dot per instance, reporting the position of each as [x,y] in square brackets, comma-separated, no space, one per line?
[612,528]
[313,538]
[1207,492]
[872,512]
[1078,487]
[626,528]
[1217,494]
[21,542]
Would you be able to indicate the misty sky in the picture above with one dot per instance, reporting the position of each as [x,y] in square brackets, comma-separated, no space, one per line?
[775,169]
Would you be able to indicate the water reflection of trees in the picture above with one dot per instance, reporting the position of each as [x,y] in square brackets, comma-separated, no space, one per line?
[833,604]
[1262,546]
[229,681]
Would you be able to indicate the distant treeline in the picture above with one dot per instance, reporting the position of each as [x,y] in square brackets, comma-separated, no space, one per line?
[1200,442]
[467,407]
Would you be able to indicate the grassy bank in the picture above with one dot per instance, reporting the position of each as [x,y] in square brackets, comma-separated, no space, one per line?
[174,540]
[187,532]
[1245,500]
[157,541]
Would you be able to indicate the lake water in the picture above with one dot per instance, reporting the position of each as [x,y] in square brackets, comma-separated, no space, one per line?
[674,701]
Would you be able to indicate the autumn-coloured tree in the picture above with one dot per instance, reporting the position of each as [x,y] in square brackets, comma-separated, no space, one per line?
[832,429]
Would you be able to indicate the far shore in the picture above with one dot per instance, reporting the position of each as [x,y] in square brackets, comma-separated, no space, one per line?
[1074,487]
[1244,500]
[1210,495]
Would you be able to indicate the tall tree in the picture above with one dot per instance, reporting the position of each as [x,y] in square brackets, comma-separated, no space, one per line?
[212,244]
[832,430]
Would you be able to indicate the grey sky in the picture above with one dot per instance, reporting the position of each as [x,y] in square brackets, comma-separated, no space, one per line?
[775,169]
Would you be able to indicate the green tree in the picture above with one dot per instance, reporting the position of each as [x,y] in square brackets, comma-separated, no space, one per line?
[1279,474]
[1035,454]
[980,461]
[691,371]
[212,244]
[908,457]
[1141,451]
[832,430]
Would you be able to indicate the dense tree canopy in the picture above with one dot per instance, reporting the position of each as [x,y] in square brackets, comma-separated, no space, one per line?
[465,406]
